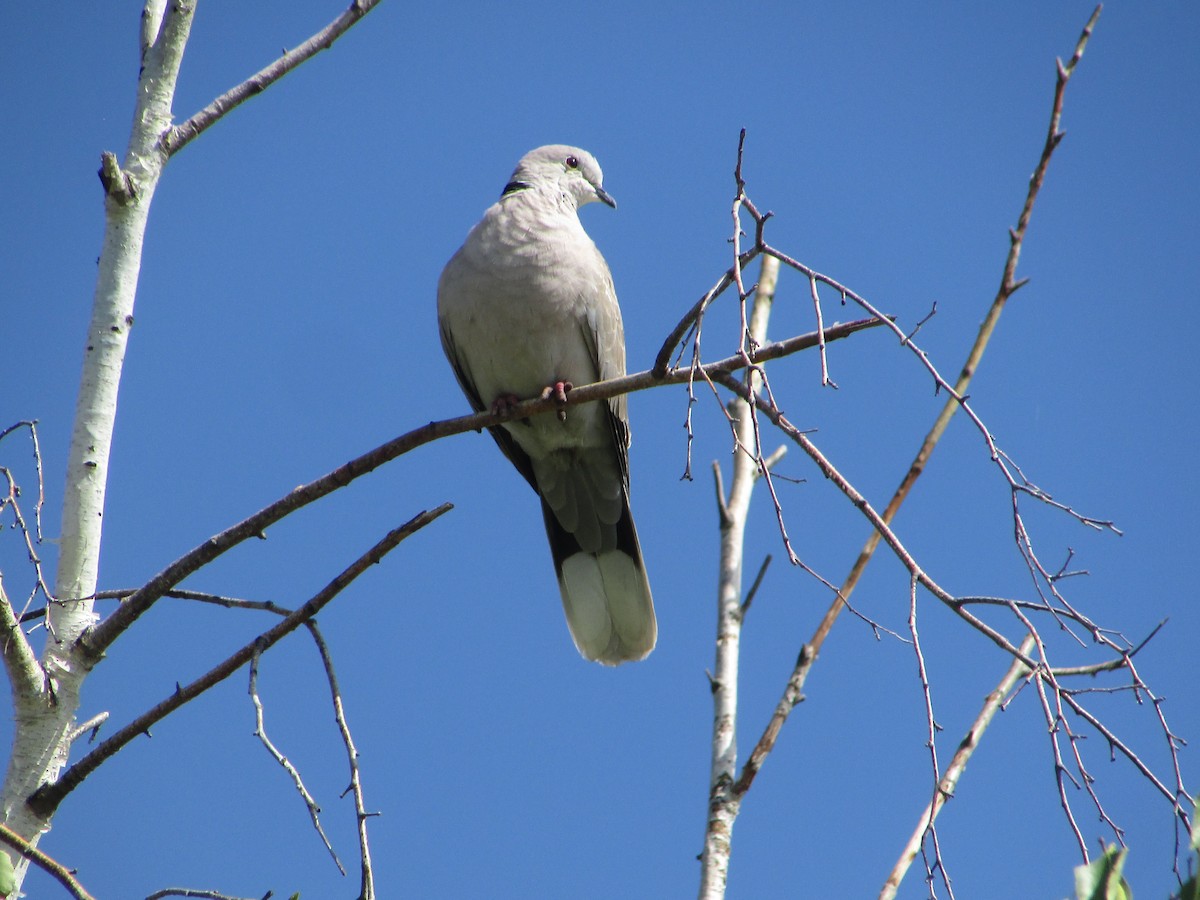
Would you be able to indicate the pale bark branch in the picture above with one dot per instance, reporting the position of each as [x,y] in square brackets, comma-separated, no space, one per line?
[957,394]
[44,720]
[724,800]
[25,674]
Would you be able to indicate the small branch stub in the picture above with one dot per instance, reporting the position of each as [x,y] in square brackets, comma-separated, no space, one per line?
[117,184]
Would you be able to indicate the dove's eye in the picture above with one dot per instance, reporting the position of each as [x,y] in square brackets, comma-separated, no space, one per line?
[572,162]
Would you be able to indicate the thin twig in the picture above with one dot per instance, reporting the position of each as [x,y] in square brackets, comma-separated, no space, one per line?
[954,770]
[201,894]
[957,393]
[260,731]
[826,381]
[367,891]
[762,570]
[182,134]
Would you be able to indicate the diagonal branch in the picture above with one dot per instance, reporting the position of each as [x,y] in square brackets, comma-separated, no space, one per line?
[93,643]
[811,650]
[182,134]
[863,505]
[367,891]
[47,797]
[25,673]
[260,731]
[47,864]
[955,769]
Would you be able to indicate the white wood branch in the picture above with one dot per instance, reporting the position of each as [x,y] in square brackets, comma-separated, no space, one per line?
[44,719]
[723,800]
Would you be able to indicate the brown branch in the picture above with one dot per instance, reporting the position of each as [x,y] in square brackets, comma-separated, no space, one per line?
[952,405]
[47,864]
[367,890]
[863,505]
[260,731]
[750,594]
[182,134]
[45,800]
[662,362]
[93,643]
[792,695]
[954,770]
[200,894]
[368,878]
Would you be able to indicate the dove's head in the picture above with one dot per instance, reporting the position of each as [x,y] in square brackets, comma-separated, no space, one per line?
[570,170]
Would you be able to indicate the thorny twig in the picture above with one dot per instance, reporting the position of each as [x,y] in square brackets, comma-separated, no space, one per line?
[361,815]
[260,731]
[48,864]
[47,798]
[32,537]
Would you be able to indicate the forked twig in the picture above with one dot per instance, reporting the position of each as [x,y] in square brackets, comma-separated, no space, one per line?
[260,731]
[47,798]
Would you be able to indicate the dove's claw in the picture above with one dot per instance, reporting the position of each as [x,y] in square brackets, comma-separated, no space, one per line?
[504,403]
[558,391]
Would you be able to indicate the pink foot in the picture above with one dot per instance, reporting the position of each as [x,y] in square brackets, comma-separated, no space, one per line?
[558,391]
[504,403]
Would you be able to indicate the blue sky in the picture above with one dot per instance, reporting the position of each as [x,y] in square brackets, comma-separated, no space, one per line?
[285,322]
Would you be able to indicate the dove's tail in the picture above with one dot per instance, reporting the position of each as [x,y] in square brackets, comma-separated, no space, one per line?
[605,594]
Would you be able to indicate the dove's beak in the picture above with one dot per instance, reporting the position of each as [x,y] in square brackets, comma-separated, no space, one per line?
[606,197]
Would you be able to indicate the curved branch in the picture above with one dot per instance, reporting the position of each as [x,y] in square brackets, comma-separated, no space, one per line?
[93,643]
[46,863]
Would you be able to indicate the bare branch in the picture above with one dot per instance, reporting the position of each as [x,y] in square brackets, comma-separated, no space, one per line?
[47,797]
[724,800]
[47,864]
[182,134]
[957,394]
[201,894]
[826,381]
[25,673]
[97,639]
[954,770]
[766,743]
[91,727]
[762,570]
[260,731]
[367,891]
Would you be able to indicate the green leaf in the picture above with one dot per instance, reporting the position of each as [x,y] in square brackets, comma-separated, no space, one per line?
[1191,887]
[1101,880]
[8,878]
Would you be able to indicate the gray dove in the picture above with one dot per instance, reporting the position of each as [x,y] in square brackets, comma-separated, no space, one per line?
[527,308]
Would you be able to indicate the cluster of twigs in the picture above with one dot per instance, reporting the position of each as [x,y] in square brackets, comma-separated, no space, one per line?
[1064,710]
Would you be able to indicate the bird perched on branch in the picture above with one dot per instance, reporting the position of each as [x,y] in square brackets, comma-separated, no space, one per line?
[526,308]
